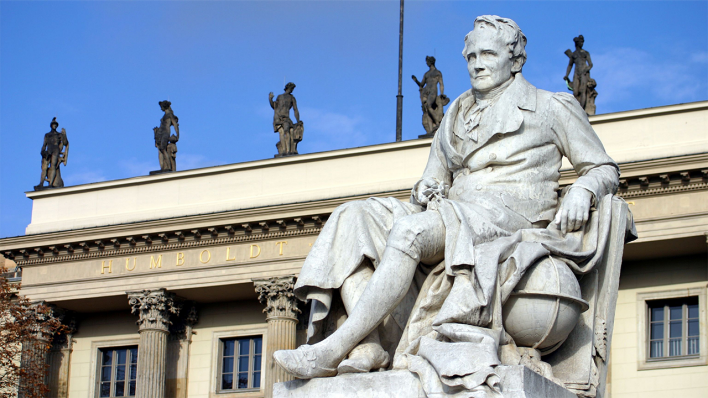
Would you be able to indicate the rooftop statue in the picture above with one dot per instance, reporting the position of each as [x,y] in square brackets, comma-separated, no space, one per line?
[479,269]
[55,150]
[582,86]
[431,102]
[165,143]
[290,134]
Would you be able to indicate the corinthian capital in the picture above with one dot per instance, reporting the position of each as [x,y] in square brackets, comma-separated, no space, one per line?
[278,297]
[154,308]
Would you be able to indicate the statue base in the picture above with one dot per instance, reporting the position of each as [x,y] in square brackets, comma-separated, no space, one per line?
[427,135]
[516,382]
[43,187]
[152,173]
[285,155]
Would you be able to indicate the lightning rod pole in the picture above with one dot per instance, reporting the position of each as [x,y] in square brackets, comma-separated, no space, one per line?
[399,97]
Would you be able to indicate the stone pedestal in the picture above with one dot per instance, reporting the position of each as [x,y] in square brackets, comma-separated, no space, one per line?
[516,382]
[281,309]
[154,307]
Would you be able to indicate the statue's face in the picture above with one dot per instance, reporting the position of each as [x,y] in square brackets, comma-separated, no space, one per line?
[488,59]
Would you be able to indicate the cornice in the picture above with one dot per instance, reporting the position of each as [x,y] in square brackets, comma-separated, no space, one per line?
[149,247]
[648,112]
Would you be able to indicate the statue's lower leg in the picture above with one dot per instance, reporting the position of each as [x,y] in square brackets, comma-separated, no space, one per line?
[368,354]
[386,288]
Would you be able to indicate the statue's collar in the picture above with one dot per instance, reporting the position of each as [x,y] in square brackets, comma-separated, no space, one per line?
[520,93]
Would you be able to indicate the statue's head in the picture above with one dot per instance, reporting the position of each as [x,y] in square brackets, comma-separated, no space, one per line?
[290,86]
[430,61]
[165,105]
[54,124]
[494,50]
[579,41]
[173,138]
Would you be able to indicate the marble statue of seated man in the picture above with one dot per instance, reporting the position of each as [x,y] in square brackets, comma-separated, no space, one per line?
[493,170]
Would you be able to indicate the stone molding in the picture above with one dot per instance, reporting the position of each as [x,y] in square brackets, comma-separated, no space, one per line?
[154,309]
[278,297]
[169,240]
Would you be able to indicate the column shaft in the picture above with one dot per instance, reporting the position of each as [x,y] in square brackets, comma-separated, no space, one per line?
[154,308]
[151,364]
[281,336]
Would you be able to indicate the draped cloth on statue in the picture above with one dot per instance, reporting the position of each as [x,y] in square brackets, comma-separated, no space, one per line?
[443,342]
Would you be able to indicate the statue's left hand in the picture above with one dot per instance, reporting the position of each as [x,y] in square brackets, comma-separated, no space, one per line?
[574,211]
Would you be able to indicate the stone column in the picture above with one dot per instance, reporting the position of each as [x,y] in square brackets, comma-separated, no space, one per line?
[60,359]
[281,309]
[154,308]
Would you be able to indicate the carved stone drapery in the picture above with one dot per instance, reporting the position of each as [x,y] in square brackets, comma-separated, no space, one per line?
[281,309]
[154,309]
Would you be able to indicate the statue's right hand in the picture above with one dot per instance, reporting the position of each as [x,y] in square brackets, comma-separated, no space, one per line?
[425,189]
[270,95]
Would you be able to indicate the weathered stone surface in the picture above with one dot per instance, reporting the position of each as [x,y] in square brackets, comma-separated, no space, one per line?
[431,103]
[55,150]
[165,142]
[516,382]
[582,85]
[290,133]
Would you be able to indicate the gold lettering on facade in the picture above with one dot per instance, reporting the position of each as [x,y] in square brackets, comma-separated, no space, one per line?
[180,259]
[156,264]
[281,243]
[127,262]
[258,253]
[105,267]
[228,254]
[201,256]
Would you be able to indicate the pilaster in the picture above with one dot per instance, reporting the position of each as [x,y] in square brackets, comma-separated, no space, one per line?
[154,309]
[59,358]
[178,347]
[281,314]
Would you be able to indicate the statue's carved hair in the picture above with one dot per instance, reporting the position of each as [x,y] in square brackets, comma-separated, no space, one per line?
[579,38]
[431,59]
[514,37]
[291,84]
[165,104]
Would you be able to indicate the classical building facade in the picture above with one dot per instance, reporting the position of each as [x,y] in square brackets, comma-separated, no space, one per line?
[180,284]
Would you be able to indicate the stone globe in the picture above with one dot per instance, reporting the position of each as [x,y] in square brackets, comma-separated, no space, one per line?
[544,307]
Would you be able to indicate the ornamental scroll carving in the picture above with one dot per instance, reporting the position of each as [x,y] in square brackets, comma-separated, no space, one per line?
[278,297]
[154,308]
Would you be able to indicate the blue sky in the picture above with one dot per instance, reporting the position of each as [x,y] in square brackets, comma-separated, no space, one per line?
[101,68]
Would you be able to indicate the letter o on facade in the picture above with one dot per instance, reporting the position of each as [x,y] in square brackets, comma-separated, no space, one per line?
[201,256]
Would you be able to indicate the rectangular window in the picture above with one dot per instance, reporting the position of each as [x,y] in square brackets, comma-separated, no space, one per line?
[240,363]
[673,328]
[118,371]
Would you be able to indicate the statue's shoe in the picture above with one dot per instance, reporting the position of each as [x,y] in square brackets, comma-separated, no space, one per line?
[302,363]
[365,358]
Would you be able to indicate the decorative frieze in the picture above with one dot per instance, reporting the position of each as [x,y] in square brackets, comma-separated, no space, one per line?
[165,241]
[154,309]
[278,297]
